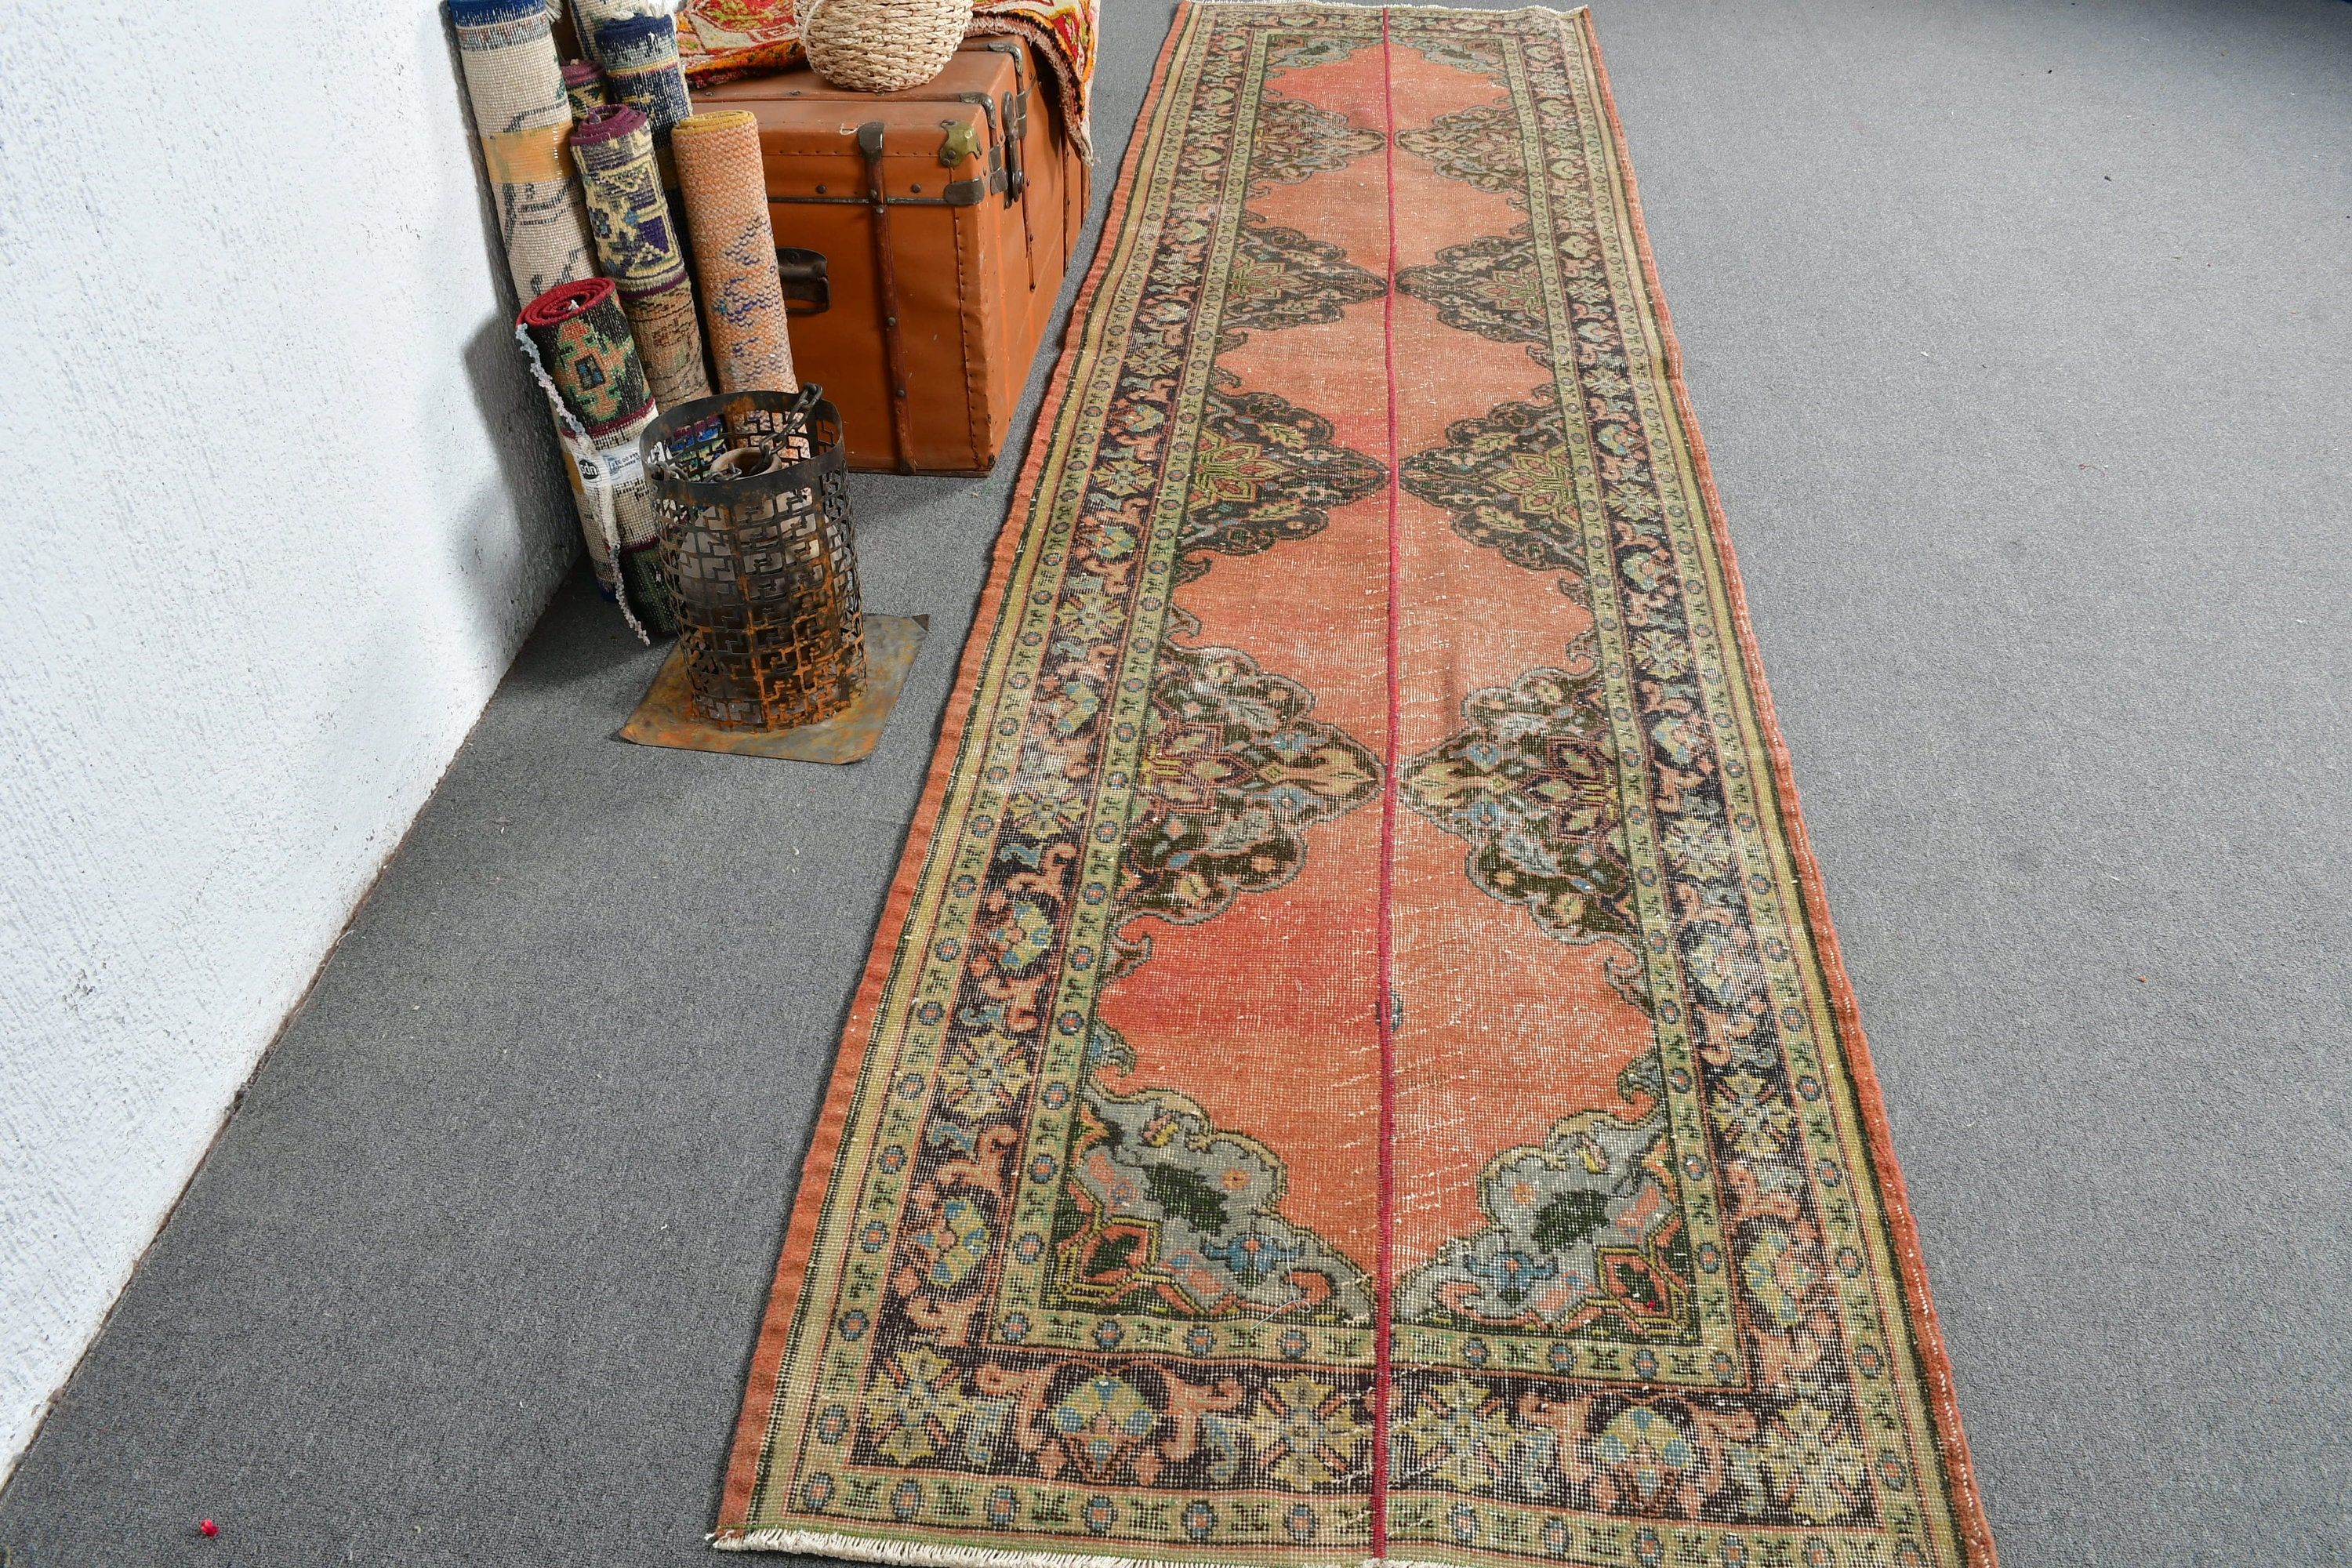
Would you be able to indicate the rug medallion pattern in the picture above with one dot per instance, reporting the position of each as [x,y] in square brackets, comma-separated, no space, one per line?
[1359,835]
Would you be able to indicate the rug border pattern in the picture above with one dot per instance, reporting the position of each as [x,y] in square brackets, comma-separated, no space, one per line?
[1866,1101]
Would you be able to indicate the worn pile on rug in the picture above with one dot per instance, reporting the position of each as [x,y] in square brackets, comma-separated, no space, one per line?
[1356,1065]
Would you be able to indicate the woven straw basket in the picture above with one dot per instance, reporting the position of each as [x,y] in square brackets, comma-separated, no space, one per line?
[882,46]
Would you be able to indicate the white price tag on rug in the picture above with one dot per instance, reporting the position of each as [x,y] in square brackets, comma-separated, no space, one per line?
[615,465]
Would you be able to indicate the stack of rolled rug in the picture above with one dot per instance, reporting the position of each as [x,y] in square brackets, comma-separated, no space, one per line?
[734,250]
[584,359]
[665,198]
[637,241]
[521,115]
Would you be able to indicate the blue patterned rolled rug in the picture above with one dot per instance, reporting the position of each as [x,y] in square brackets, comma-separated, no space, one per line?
[590,14]
[637,241]
[640,55]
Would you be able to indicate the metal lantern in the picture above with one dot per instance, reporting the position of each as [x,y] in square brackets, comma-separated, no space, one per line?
[753,500]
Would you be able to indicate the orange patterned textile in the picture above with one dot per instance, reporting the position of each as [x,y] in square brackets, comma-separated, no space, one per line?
[1356,1067]
[720,39]
[734,251]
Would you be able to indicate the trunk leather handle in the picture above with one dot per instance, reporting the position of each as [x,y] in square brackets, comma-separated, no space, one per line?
[807,290]
[1015,121]
[902,417]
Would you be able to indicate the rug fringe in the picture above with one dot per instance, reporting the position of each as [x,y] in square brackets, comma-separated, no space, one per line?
[934,1554]
[1435,10]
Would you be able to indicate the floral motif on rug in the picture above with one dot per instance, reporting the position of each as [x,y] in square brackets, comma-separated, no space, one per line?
[1262,471]
[1354,1064]
[1492,286]
[1282,278]
[1508,480]
[1485,147]
[1232,774]
[1294,140]
[1163,1211]
[1531,780]
[1584,1234]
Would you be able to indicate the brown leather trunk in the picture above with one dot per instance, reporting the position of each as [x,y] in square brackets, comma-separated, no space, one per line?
[922,237]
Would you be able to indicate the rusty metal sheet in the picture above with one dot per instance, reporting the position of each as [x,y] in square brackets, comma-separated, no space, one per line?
[667,716]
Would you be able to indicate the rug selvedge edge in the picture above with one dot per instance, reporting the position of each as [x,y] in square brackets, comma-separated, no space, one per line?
[781,1312]
[1866,1096]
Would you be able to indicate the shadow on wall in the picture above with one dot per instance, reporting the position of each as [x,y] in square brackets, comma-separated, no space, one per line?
[510,404]
[531,468]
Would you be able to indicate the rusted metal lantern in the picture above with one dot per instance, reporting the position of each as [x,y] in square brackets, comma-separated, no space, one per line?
[753,497]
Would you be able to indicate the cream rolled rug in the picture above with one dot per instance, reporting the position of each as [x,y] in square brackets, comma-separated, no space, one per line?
[521,116]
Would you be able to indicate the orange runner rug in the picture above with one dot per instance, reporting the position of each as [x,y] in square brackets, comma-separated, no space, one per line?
[1356,1065]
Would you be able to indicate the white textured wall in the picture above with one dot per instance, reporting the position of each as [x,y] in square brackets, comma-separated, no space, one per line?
[276,506]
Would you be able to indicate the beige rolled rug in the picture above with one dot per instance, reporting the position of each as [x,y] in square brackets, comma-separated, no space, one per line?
[521,117]
[718,157]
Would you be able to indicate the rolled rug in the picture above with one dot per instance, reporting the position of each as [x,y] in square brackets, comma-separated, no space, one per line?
[639,51]
[734,250]
[640,60]
[587,361]
[590,14]
[520,115]
[637,241]
[583,345]
[584,86]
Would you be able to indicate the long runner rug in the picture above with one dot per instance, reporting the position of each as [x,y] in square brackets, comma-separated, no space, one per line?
[1356,1065]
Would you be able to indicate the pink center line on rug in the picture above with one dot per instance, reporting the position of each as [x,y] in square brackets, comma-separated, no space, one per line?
[1383,1333]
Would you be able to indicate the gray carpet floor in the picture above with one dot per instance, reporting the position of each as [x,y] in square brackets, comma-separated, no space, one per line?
[2020,334]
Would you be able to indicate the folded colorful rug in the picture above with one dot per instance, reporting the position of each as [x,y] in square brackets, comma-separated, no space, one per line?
[720,39]
[1356,1065]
